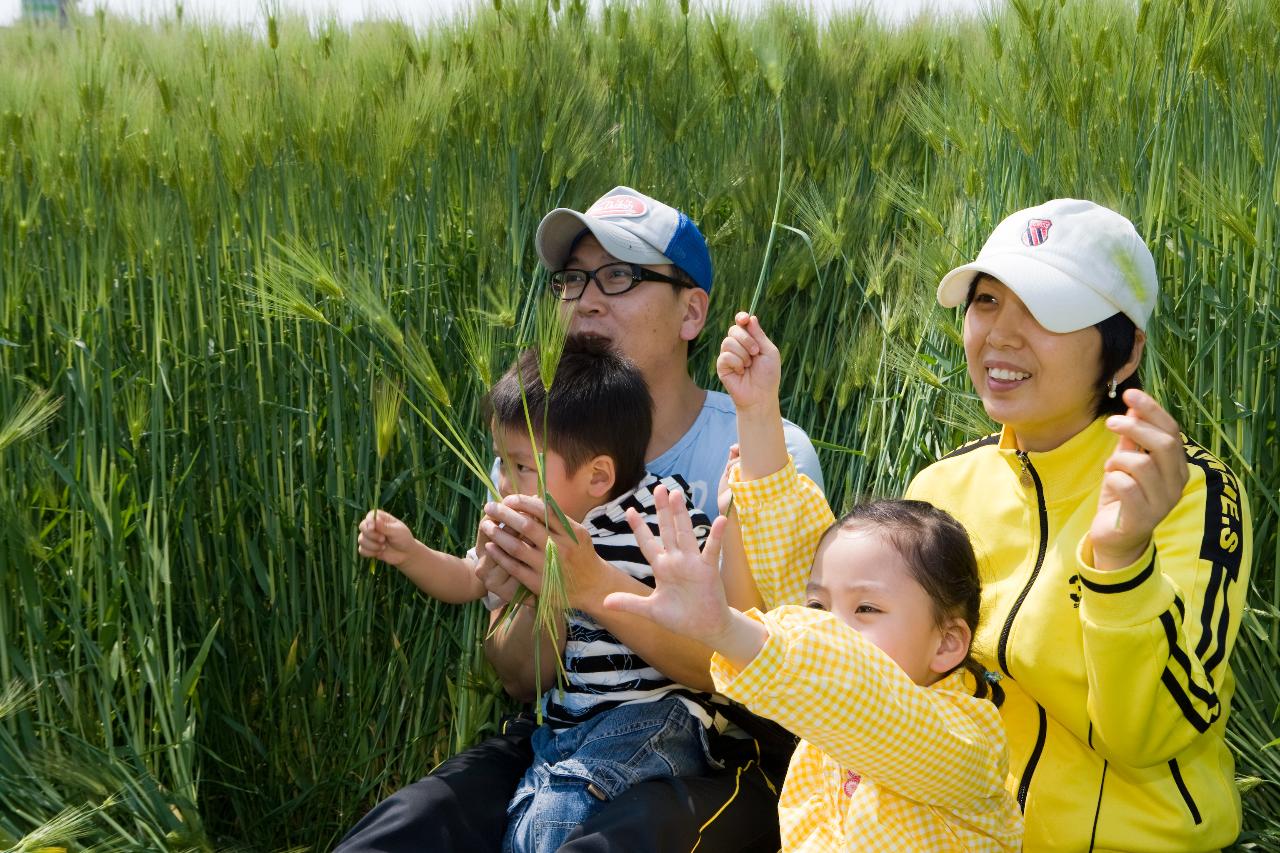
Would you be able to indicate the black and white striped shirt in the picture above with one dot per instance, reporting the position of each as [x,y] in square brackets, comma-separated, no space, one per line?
[601,672]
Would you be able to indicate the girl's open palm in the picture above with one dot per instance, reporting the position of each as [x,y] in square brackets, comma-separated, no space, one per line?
[688,597]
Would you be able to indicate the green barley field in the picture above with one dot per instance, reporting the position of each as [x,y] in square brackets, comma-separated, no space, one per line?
[220,249]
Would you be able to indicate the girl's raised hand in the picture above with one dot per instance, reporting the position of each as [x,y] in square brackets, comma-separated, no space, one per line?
[688,597]
[1142,481]
[749,365]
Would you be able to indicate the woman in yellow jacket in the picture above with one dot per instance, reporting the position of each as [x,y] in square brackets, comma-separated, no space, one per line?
[1114,550]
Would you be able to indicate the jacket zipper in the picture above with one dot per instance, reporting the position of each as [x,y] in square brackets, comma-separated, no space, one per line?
[1028,477]
[1027,772]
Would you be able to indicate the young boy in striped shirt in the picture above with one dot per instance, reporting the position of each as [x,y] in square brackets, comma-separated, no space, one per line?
[617,721]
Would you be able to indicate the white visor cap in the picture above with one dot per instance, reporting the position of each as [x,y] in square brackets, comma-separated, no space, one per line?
[1073,263]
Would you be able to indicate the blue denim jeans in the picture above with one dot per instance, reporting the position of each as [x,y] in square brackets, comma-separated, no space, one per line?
[577,770]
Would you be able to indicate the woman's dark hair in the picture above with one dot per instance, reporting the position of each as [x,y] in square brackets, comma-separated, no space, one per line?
[937,550]
[598,404]
[1118,335]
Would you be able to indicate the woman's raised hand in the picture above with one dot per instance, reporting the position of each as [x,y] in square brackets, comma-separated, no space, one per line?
[1142,481]
[749,365]
[688,597]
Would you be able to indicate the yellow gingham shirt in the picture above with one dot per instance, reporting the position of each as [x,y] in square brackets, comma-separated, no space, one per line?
[884,763]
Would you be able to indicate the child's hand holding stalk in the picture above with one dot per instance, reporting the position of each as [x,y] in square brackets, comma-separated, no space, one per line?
[446,577]
[750,368]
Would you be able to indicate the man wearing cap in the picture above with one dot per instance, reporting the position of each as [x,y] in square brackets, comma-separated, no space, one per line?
[636,272]
[600,262]
[1115,552]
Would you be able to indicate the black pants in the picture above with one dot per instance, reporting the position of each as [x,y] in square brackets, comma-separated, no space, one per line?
[462,806]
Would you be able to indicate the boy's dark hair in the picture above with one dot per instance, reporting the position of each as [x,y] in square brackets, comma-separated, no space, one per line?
[598,404]
[937,550]
[1118,334]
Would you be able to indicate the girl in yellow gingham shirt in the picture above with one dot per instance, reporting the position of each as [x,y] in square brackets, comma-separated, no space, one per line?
[897,752]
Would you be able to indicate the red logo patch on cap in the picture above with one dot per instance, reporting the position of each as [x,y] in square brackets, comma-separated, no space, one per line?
[618,205]
[851,781]
[1037,231]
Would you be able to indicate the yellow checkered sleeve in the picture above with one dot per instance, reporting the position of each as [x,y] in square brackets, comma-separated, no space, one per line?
[885,764]
[782,518]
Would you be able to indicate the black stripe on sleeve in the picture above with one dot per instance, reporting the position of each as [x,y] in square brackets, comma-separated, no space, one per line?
[1124,586]
[985,441]
[1179,656]
[1221,546]
[1180,697]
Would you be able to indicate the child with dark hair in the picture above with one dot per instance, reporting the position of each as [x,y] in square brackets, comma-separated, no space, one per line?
[867,658]
[617,721]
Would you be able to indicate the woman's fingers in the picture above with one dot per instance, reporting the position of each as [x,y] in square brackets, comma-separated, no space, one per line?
[1166,452]
[1143,405]
[1145,434]
[1123,487]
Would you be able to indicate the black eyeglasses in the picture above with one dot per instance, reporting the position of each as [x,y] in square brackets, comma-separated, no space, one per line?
[612,279]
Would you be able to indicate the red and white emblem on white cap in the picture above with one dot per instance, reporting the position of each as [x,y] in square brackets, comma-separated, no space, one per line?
[851,781]
[1037,231]
[618,205]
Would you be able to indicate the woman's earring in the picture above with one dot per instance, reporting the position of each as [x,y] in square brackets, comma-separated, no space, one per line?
[1112,393]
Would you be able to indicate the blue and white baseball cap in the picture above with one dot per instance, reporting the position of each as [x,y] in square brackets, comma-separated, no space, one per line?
[633,228]
[1073,263]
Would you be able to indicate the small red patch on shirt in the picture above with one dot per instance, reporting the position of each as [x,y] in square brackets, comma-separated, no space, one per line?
[618,205]
[851,781]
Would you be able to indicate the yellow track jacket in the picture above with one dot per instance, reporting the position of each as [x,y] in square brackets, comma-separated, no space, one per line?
[1114,686]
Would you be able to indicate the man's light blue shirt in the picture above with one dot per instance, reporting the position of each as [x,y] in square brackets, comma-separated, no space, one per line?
[701,454]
